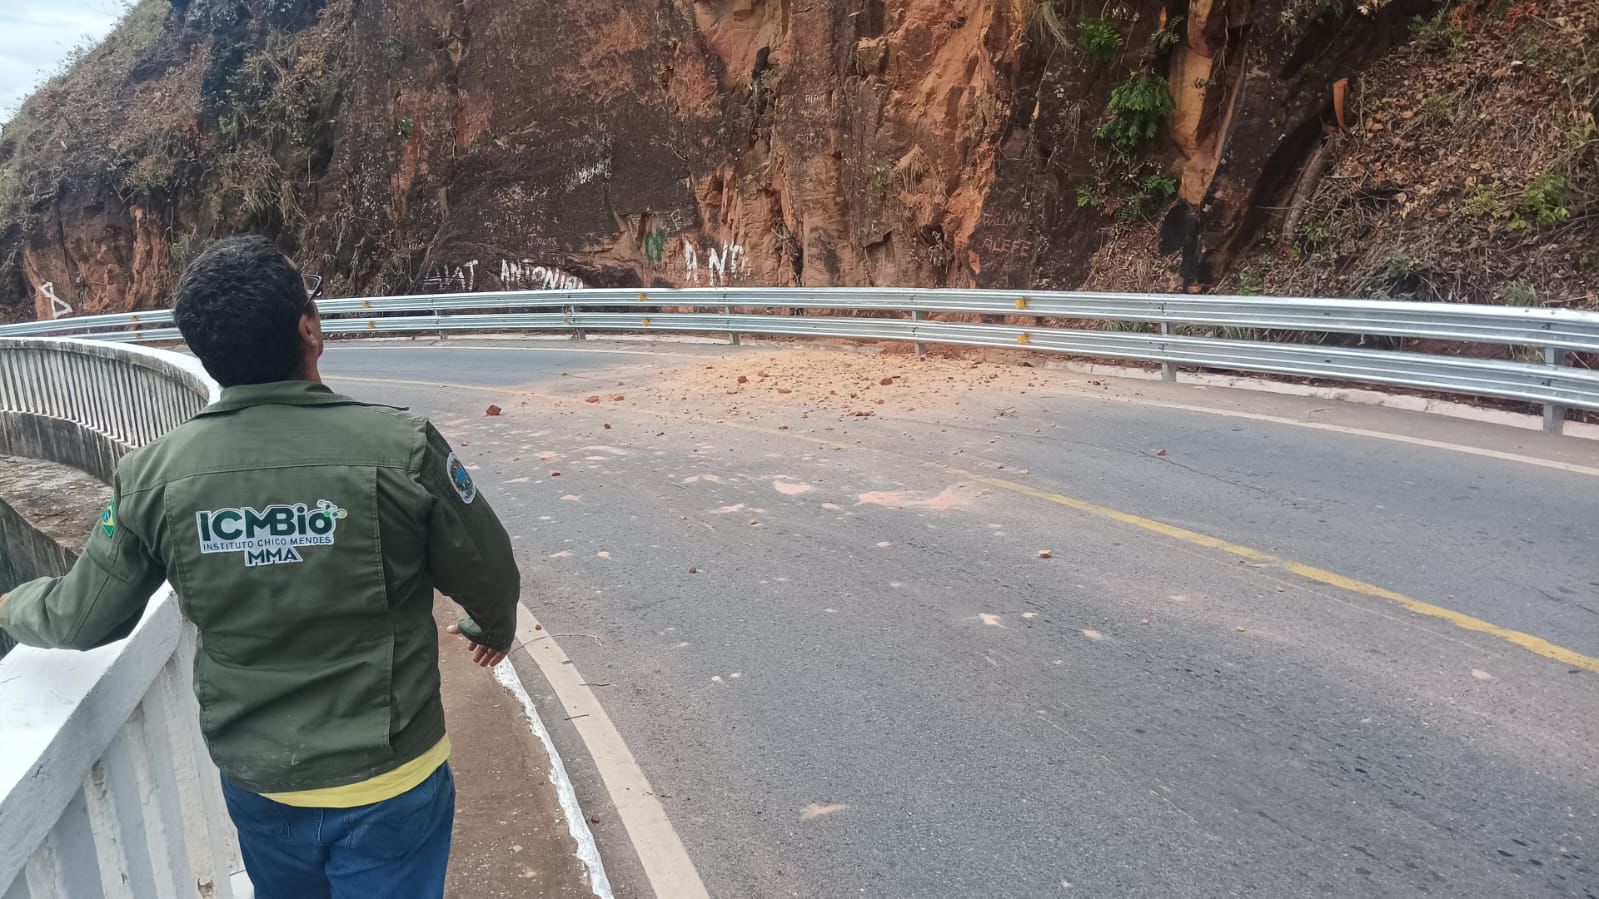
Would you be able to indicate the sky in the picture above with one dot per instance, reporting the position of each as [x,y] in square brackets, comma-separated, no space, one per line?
[37,35]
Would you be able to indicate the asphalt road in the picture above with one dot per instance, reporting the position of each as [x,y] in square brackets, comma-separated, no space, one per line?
[833,647]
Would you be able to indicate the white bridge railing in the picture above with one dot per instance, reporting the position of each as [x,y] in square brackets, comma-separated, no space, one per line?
[106,788]
[1272,335]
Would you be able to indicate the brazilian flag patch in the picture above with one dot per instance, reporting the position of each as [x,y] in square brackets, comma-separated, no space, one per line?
[108,519]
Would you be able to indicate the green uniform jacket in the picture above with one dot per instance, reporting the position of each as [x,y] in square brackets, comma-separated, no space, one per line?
[304,534]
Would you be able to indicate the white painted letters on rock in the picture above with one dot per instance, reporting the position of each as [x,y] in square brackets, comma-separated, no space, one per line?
[724,265]
[452,279]
[529,275]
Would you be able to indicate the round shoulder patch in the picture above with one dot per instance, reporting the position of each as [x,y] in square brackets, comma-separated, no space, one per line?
[460,478]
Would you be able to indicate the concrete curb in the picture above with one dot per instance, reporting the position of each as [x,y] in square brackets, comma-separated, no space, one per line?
[588,851]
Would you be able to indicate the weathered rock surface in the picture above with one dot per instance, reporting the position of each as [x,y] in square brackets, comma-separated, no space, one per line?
[445,145]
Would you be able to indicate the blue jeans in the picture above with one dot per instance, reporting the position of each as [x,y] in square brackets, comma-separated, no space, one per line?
[396,849]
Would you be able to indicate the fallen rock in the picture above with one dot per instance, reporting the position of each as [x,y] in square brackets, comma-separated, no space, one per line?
[1046,554]
[592,399]
[492,410]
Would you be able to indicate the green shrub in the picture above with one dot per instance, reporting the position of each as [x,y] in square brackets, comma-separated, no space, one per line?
[1438,108]
[1520,293]
[148,181]
[1485,204]
[1400,269]
[1321,233]
[1545,204]
[1251,282]
[1160,187]
[1151,193]
[1298,13]
[1099,39]
[1439,34]
[1138,107]
[1170,36]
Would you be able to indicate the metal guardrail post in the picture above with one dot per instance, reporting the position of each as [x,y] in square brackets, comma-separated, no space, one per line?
[577,333]
[732,336]
[1168,370]
[921,348]
[1554,416]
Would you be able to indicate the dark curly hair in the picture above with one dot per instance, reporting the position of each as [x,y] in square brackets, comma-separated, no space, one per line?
[239,306]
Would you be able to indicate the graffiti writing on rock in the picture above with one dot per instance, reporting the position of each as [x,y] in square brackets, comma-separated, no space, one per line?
[655,246]
[526,274]
[59,308]
[451,278]
[722,265]
[515,274]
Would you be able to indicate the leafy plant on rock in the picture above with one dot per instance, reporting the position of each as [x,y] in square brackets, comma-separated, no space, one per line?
[1170,36]
[1545,204]
[1099,39]
[1138,107]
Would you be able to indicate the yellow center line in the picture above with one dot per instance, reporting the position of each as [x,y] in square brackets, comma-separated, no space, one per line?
[1526,641]
[1308,572]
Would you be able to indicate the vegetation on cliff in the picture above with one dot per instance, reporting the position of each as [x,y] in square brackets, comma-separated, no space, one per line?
[1285,146]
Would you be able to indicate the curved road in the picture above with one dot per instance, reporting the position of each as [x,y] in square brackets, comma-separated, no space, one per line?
[1281,646]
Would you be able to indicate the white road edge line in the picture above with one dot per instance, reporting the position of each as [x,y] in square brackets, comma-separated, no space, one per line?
[587,851]
[670,871]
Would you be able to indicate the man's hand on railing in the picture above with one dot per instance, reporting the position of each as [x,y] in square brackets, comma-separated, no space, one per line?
[482,656]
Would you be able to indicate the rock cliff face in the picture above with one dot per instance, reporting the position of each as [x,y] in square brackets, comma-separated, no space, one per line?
[443,145]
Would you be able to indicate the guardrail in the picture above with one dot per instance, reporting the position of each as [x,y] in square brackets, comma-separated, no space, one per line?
[1039,321]
[106,788]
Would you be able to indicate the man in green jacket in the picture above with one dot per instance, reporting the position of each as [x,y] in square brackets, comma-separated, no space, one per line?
[304,534]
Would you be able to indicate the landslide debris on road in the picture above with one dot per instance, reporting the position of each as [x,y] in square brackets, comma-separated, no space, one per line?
[839,384]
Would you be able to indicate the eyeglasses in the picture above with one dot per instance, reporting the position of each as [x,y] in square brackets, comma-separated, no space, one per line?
[313,287]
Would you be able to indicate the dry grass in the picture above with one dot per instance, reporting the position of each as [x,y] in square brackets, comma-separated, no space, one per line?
[1481,187]
[1044,18]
